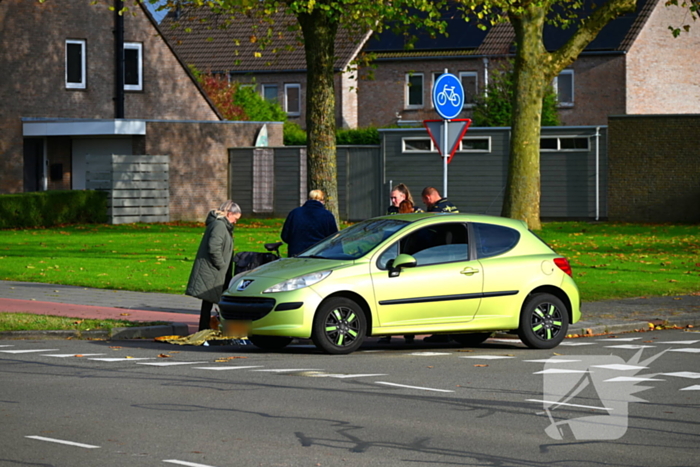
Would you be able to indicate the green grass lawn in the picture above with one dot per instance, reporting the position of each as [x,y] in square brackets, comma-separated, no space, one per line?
[609,260]
[33,322]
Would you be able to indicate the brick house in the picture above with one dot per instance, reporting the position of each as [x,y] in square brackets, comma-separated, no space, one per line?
[65,97]
[634,66]
[277,70]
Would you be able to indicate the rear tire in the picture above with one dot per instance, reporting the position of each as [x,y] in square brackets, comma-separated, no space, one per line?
[472,339]
[339,327]
[544,321]
[270,342]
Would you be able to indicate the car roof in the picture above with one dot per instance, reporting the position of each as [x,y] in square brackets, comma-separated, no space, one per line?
[427,217]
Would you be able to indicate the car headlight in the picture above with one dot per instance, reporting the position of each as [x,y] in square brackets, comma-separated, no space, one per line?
[298,282]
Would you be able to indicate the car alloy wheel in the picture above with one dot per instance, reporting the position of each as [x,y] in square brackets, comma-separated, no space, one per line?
[339,326]
[544,321]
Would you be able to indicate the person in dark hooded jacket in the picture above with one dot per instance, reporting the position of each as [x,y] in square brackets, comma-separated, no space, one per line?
[308,224]
[213,260]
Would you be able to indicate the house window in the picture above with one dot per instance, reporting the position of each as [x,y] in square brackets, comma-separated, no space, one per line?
[414,90]
[75,64]
[475,145]
[417,145]
[470,84]
[436,75]
[564,87]
[564,143]
[133,66]
[269,92]
[292,99]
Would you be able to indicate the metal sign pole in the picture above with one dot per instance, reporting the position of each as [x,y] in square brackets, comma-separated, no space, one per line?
[445,156]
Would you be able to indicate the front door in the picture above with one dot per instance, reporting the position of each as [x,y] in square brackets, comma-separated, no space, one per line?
[34,162]
[443,288]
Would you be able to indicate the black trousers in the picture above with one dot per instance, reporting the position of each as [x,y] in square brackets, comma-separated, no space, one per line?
[205,315]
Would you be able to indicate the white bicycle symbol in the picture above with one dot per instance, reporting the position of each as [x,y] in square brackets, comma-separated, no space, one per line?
[448,93]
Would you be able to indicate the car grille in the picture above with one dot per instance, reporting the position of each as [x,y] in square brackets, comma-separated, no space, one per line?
[245,308]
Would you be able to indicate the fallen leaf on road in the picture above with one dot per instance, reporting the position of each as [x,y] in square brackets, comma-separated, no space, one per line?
[79,355]
[480,365]
[162,355]
[124,314]
[116,347]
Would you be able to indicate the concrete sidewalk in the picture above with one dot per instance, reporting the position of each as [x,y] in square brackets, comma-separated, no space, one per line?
[80,302]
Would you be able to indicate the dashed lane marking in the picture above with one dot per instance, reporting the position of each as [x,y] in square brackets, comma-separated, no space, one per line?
[219,368]
[412,387]
[168,363]
[119,359]
[28,351]
[62,441]
[66,355]
[190,464]
[487,357]
[284,370]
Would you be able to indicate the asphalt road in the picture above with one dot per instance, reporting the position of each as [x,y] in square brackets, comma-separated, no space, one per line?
[86,403]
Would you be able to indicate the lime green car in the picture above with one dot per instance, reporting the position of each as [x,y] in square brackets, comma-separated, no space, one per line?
[458,274]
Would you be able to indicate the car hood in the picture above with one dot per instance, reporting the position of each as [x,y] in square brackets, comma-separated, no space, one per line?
[288,268]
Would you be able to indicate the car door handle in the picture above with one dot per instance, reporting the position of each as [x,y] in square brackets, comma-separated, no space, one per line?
[469,271]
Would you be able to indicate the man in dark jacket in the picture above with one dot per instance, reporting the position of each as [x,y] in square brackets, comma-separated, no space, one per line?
[436,203]
[308,224]
[213,260]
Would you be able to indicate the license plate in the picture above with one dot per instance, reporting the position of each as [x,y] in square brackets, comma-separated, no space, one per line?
[236,329]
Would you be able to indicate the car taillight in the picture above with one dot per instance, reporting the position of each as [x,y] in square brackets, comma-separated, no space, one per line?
[563,264]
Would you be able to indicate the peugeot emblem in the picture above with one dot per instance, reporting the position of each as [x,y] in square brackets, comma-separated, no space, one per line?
[244,284]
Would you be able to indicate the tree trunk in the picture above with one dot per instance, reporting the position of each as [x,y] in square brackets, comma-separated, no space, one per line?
[522,196]
[319,32]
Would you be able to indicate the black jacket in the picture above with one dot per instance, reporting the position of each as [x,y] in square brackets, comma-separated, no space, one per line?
[307,225]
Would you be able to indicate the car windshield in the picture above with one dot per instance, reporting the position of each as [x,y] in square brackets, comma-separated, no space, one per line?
[355,241]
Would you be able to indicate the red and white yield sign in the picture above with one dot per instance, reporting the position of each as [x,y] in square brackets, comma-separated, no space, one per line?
[455,132]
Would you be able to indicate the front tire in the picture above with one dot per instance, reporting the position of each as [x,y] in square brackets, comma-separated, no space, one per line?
[339,327]
[270,342]
[544,321]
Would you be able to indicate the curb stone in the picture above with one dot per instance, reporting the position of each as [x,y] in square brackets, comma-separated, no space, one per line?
[137,332]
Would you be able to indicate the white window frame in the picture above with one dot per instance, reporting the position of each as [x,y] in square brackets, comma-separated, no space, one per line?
[416,138]
[83,64]
[487,138]
[264,87]
[287,87]
[560,149]
[569,73]
[139,48]
[407,87]
[475,75]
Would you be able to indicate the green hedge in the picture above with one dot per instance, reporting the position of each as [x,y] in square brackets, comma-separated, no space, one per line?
[294,135]
[50,208]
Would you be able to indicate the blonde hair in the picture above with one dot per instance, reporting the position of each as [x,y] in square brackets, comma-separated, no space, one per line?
[317,195]
[228,206]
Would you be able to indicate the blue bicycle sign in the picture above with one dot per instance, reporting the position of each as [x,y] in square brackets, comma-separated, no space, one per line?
[448,96]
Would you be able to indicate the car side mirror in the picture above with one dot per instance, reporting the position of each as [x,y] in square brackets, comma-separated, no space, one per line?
[400,262]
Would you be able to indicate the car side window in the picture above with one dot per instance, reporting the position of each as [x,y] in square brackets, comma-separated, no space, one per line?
[442,243]
[493,240]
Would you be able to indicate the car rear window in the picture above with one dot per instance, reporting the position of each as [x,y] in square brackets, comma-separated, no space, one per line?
[494,240]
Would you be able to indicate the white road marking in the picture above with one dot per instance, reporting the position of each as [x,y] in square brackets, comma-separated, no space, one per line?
[429,354]
[552,360]
[60,441]
[624,379]
[28,351]
[620,367]
[341,376]
[619,339]
[118,359]
[555,371]
[678,342]
[168,363]
[692,388]
[412,387]
[487,357]
[576,344]
[631,347]
[65,355]
[291,369]
[218,368]
[687,350]
[7,345]
[190,464]
[684,374]
[569,405]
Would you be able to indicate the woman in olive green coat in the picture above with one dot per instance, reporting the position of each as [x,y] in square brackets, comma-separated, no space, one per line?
[213,259]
